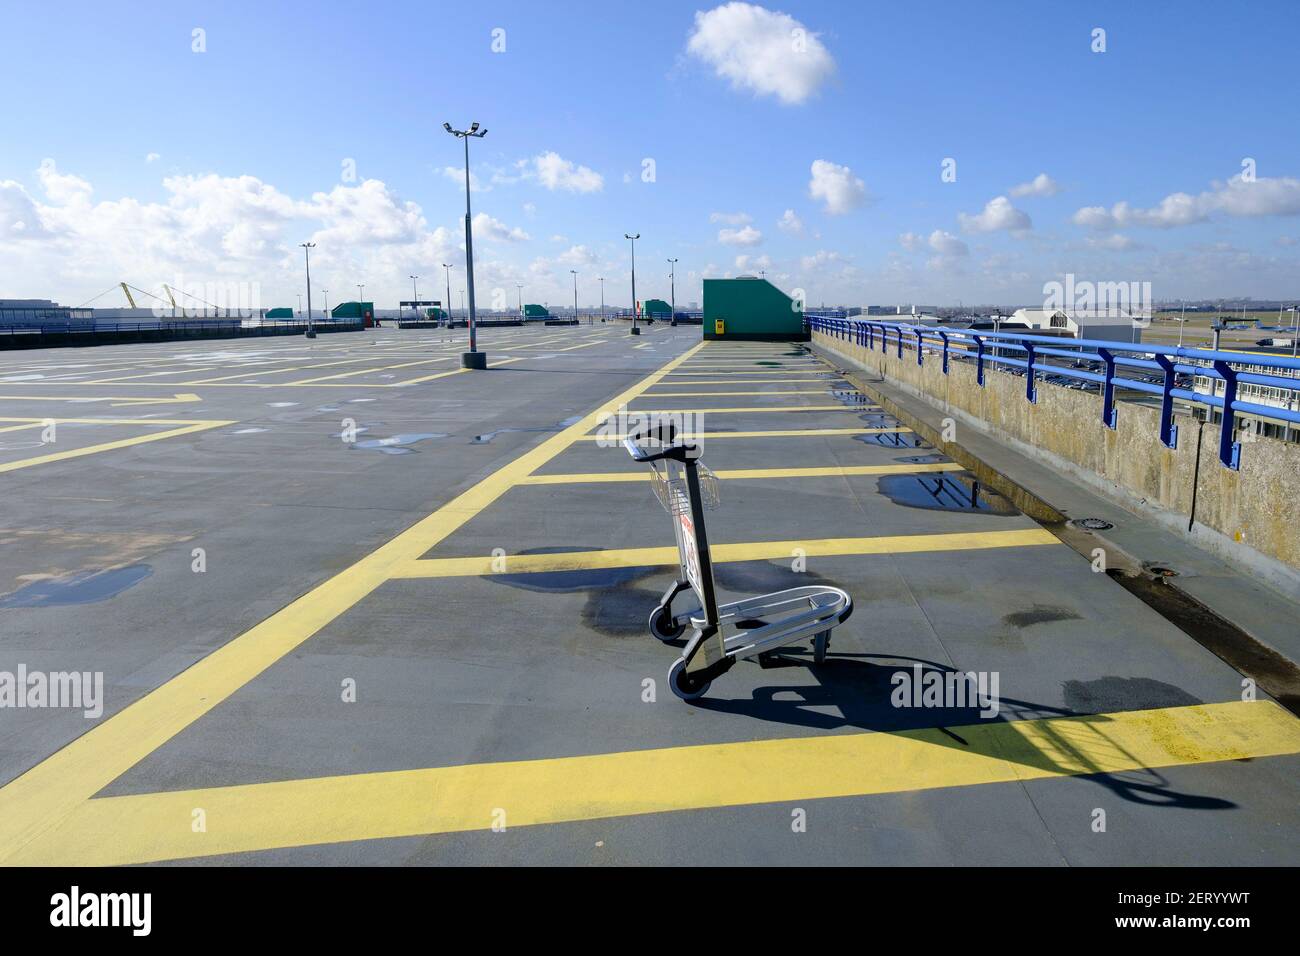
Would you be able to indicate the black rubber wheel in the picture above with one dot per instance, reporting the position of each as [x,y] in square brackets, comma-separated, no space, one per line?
[662,627]
[684,685]
[821,644]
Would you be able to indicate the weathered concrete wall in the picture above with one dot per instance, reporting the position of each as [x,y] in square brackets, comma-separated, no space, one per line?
[1251,516]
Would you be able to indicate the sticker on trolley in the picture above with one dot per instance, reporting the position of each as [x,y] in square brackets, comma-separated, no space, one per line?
[690,553]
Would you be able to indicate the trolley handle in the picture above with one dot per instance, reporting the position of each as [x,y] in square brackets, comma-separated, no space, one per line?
[663,433]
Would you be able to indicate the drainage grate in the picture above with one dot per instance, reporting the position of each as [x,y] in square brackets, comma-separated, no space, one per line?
[1093,524]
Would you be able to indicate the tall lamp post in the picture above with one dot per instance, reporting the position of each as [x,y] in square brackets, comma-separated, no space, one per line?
[415,297]
[575,294]
[635,330]
[325,312]
[521,300]
[307,247]
[473,358]
[602,300]
[447,269]
[672,278]
[361,298]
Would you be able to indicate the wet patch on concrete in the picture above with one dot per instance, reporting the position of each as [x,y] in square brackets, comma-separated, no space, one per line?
[561,582]
[621,612]
[80,587]
[761,577]
[943,493]
[558,426]
[1113,694]
[396,444]
[923,459]
[849,396]
[1039,614]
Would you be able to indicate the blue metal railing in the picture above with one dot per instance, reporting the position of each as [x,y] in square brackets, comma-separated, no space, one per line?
[1163,366]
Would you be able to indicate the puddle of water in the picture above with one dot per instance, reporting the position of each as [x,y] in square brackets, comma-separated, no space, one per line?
[942,493]
[849,396]
[922,459]
[248,431]
[80,587]
[281,404]
[558,426]
[327,408]
[1039,614]
[396,444]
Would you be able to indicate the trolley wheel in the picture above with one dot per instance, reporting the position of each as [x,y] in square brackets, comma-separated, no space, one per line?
[821,644]
[662,626]
[686,686]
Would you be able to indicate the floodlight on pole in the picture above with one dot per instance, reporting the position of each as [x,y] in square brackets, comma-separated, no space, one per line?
[415,297]
[602,299]
[447,269]
[575,294]
[307,247]
[635,330]
[473,358]
[672,278]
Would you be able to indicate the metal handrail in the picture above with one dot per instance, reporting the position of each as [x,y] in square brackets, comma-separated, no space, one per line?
[1168,362]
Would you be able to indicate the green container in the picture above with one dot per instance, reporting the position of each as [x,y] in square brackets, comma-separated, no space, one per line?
[751,309]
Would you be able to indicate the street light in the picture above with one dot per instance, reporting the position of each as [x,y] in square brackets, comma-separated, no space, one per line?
[361,299]
[415,296]
[672,278]
[635,330]
[325,312]
[473,358]
[447,269]
[307,247]
[575,294]
[602,300]
[521,301]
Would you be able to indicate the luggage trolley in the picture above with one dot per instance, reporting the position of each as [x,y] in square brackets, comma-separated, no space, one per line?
[720,636]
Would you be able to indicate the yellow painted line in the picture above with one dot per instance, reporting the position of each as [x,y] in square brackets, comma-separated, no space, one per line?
[769,391]
[178,398]
[109,446]
[186,370]
[455,371]
[39,801]
[18,428]
[111,421]
[761,408]
[721,553]
[112,831]
[279,368]
[364,371]
[831,471]
[771,433]
[829,380]
[824,373]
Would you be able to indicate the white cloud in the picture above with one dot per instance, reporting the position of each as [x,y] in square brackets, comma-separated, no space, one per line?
[820,259]
[530,209]
[745,236]
[791,223]
[19,217]
[457,175]
[1114,242]
[496,230]
[836,186]
[1235,198]
[998,214]
[746,263]
[579,255]
[911,241]
[61,188]
[152,157]
[946,244]
[731,218]
[554,172]
[1040,185]
[769,53]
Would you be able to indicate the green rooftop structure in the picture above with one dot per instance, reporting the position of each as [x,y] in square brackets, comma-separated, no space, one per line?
[657,309]
[279,313]
[353,310]
[751,309]
[534,311]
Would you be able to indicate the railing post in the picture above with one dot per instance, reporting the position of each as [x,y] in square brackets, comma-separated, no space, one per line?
[871,337]
[900,341]
[918,346]
[1108,413]
[979,360]
[944,336]
[884,338]
[1031,392]
[1229,450]
[1168,430]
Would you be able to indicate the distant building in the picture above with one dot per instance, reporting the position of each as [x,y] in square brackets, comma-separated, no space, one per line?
[28,312]
[1078,325]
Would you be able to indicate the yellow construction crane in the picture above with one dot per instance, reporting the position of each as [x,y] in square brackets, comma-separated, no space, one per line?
[129,298]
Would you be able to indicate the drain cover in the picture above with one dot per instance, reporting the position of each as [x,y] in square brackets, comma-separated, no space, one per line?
[1094,524]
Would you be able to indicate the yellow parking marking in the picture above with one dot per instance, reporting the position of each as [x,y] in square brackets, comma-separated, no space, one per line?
[744,551]
[145,828]
[831,471]
[37,803]
[35,423]
[281,368]
[186,370]
[366,371]
[760,408]
[455,371]
[829,379]
[769,391]
[772,433]
[175,399]
[187,429]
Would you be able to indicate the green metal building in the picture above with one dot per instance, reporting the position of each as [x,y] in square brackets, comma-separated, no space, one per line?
[657,309]
[279,313]
[750,308]
[534,311]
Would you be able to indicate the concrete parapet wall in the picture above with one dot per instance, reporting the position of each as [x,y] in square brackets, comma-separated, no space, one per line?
[1249,517]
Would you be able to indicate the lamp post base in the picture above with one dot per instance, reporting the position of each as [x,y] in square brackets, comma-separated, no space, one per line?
[311,333]
[635,330]
[476,360]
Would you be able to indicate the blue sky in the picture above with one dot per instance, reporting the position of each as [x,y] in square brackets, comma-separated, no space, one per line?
[129,155]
